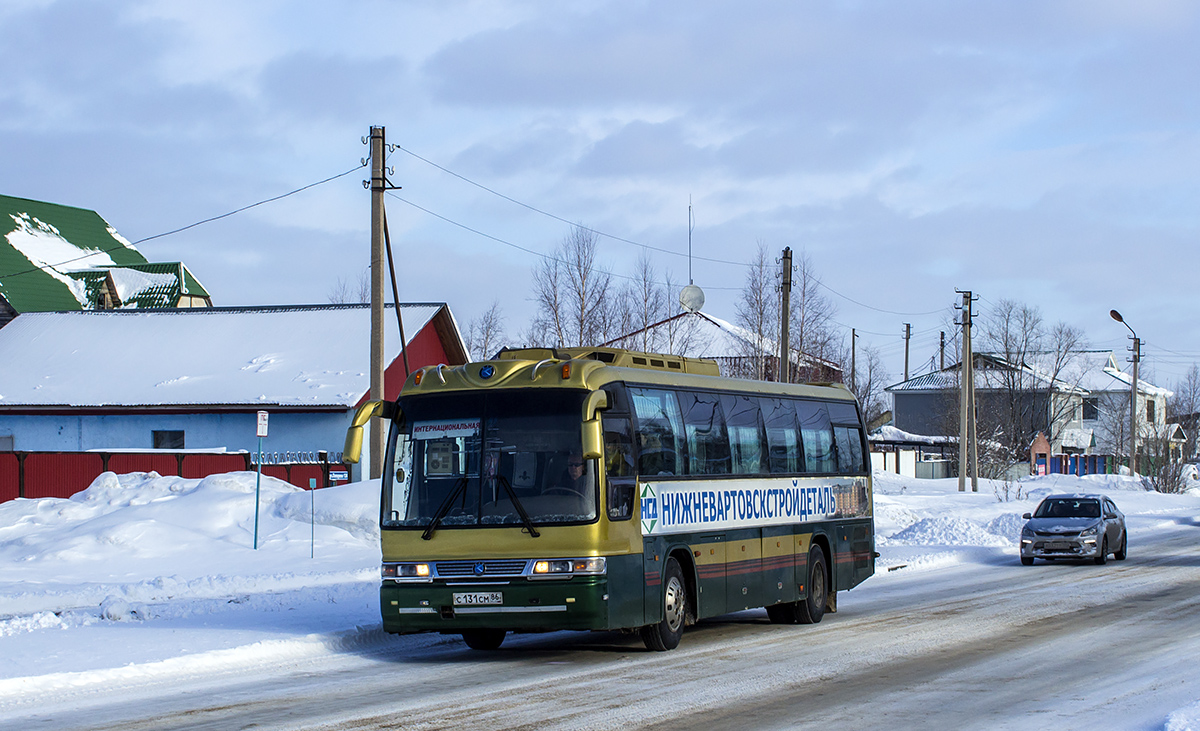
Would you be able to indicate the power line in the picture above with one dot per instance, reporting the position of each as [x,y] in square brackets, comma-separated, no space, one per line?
[191,225]
[499,240]
[614,237]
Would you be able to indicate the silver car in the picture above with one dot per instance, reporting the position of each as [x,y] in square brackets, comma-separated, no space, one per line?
[1074,526]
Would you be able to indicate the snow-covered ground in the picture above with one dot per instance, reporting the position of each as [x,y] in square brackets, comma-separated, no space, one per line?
[145,580]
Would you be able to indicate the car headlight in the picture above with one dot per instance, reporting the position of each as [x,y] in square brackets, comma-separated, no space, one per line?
[1026,533]
[1089,531]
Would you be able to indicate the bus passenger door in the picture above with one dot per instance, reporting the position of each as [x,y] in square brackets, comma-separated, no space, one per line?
[709,554]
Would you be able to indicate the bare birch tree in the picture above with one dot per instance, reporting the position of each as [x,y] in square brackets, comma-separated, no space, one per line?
[811,328]
[758,312]
[572,294]
[345,292]
[485,334]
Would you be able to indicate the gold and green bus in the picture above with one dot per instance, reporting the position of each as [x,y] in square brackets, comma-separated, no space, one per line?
[602,489]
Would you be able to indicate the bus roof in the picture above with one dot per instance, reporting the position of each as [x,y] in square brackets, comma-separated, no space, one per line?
[593,368]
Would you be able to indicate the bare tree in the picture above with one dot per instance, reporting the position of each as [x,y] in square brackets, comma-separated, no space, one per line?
[640,303]
[572,294]
[1184,408]
[810,322]
[758,313]
[870,378]
[346,292]
[486,333]
[1035,388]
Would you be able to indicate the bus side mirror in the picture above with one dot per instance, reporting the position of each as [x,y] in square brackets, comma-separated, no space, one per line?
[593,436]
[352,451]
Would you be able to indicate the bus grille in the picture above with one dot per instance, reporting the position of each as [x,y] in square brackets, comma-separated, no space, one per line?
[509,567]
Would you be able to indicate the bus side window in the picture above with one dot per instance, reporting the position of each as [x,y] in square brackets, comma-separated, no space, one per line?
[618,464]
[849,450]
[708,444]
[783,436]
[817,433]
[746,439]
[660,432]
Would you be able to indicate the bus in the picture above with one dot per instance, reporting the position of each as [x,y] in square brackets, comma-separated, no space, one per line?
[603,489]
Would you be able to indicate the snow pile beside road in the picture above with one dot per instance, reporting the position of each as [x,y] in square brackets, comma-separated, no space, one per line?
[1185,719]
[144,579]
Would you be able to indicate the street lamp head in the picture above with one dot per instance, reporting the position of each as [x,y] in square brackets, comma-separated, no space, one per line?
[1116,316]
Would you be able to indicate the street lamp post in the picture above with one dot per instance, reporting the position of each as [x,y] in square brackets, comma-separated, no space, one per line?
[1137,353]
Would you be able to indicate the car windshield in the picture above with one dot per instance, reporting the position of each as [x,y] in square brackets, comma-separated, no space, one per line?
[484,458]
[1068,508]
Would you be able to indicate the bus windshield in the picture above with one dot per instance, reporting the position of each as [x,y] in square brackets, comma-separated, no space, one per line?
[484,458]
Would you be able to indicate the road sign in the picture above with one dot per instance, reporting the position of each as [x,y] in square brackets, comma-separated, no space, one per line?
[262,423]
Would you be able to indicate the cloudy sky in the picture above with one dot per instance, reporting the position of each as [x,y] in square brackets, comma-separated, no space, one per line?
[1045,152]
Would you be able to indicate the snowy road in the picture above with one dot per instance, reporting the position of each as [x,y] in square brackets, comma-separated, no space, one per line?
[981,644]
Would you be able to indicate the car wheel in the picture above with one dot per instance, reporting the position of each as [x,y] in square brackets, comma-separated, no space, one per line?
[665,634]
[1119,554]
[813,608]
[483,639]
[1102,557]
[1027,560]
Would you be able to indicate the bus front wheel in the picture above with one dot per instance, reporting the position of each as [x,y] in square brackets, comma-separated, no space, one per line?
[813,608]
[483,639]
[665,634]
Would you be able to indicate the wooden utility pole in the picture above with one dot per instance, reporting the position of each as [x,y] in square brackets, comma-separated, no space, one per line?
[968,451]
[378,186]
[853,357]
[942,352]
[785,286]
[907,337]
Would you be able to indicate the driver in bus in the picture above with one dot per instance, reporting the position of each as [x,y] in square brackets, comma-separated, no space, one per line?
[574,478]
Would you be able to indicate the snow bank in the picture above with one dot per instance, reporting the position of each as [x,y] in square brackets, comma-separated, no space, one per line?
[1185,719]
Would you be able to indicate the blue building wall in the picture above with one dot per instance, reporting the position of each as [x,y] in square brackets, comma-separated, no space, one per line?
[289,432]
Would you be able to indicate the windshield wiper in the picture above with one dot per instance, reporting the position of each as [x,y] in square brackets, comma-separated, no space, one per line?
[520,508]
[445,508]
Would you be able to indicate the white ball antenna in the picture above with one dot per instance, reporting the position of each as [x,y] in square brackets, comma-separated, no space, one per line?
[691,298]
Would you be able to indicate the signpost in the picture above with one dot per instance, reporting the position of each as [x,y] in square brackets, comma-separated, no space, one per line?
[312,516]
[262,432]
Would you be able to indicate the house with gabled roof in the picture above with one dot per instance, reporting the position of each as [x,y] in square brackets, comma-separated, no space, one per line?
[56,258]
[196,378]
[739,352]
[1080,408]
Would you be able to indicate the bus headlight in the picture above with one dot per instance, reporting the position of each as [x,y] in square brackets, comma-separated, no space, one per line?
[563,567]
[406,571]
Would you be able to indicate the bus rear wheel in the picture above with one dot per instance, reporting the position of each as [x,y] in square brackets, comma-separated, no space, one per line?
[665,634]
[483,639]
[811,609]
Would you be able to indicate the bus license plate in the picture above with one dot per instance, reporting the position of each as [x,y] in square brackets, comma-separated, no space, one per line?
[480,597]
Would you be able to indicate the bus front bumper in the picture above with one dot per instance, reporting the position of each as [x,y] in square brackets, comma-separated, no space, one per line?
[578,603]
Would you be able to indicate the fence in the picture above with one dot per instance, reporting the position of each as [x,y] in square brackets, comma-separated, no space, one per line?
[1074,464]
[62,474]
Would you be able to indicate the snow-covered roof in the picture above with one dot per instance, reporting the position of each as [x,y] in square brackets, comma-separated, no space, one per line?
[889,433]
[299,356]
[1089,371]
[55,257]
[713,337]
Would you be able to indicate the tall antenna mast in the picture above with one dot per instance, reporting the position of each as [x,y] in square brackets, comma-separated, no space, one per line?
[691,227]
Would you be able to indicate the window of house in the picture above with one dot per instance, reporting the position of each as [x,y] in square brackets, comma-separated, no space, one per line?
[167,439]
[1091,409]
[1150,411]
